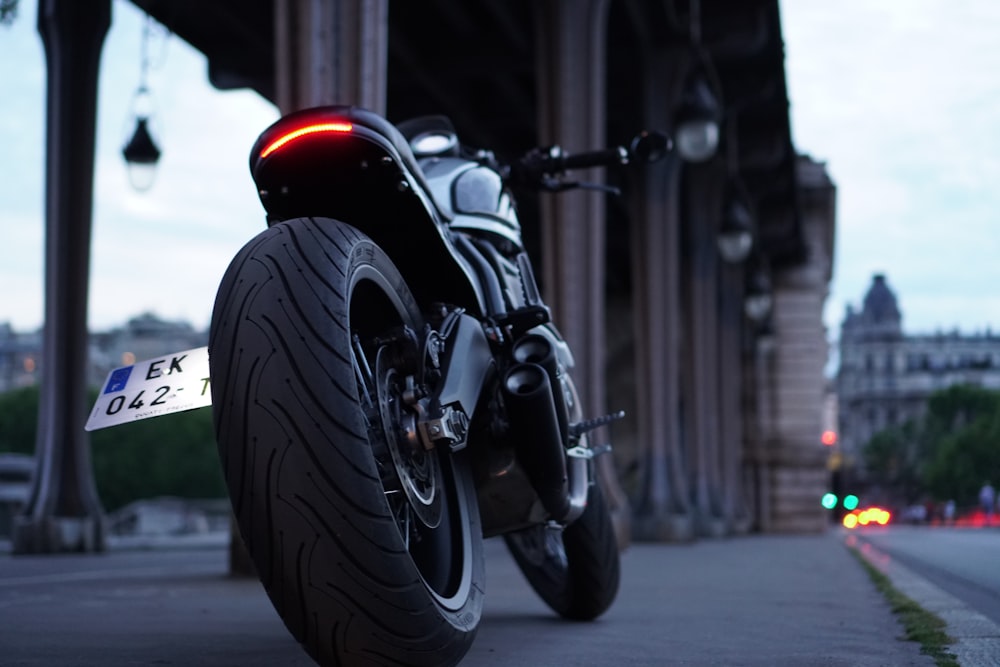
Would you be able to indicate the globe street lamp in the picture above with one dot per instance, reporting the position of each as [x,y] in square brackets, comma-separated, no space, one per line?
[141,155]
[735,238]
[758,299]
[697,121]
[141,152]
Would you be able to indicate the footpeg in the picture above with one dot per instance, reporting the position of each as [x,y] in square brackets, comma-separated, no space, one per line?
[579,428]
[588,453]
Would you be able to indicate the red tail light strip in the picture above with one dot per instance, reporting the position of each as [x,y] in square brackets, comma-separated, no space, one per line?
[339,127]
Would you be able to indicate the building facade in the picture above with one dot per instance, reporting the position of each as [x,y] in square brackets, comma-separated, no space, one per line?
[886,376]
[145,336]
[19,352]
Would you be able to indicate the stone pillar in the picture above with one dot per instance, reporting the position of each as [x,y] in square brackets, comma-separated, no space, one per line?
[663,504]
[759,431]
[571,65]
[799,474]
[797,459]
[331,52]
[731,409]
[701,346]
[63,512]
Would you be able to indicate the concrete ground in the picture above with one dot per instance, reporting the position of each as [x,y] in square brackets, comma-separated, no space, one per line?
[756,600]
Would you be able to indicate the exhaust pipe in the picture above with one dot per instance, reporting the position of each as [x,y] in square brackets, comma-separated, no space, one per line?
[537,349]
[535,433]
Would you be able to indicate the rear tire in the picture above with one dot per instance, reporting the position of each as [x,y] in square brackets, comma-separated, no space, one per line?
[369,548]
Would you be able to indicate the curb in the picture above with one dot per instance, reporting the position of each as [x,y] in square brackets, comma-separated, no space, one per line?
[977,638]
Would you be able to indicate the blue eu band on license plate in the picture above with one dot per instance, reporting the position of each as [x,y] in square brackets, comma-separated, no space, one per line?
[118,379]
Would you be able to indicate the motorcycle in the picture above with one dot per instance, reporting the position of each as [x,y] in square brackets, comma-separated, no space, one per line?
[389,389]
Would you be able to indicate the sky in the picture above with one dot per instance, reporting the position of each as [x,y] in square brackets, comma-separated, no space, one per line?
[163,250]
[899,98]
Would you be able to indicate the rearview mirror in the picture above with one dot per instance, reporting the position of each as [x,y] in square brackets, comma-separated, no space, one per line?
[650,146]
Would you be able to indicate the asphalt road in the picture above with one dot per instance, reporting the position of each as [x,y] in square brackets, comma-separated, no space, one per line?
[964,562]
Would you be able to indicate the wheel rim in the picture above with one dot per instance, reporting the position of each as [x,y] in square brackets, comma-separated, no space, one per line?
[418,470]
[421,487]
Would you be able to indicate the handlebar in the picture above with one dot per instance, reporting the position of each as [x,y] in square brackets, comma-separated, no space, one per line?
[600,158]
[540,167]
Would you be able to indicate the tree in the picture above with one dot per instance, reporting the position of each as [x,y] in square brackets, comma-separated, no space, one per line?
[8,11]
[949,453]
[951,410]
[963,426]
[170,455]
[894,458]
[18,420]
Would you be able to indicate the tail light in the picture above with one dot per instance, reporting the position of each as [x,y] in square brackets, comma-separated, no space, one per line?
[315,128]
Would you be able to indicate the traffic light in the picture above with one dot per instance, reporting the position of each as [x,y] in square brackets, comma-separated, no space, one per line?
[829,501]
[850,502]
[829,438]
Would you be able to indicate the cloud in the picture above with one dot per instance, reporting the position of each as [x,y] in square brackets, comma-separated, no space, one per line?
[901,101]
[163,250]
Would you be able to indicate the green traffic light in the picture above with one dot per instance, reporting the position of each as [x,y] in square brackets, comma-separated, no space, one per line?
[850,502]
[829,501]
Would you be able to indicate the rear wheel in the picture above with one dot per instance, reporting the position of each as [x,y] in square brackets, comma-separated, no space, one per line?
[368,544]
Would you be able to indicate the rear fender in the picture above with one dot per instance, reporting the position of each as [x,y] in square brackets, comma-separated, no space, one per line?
[352,165]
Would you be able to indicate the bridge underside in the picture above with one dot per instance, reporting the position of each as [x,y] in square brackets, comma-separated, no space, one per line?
[724,410]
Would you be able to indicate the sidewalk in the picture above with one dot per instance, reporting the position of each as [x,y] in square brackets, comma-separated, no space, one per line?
[757,600]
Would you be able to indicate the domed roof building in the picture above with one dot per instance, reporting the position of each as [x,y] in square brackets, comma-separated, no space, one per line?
[879,318]
[886,376]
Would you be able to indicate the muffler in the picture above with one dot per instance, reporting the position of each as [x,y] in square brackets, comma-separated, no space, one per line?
[535,434]
[537,349]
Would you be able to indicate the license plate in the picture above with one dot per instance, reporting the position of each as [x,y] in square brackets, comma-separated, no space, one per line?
[153,388]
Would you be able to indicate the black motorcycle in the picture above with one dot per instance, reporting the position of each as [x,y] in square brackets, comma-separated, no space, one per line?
[388,390]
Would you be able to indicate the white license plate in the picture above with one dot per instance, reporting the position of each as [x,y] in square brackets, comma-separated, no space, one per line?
[153,388]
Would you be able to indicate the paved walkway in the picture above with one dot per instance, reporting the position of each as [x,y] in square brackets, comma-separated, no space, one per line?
[758,600]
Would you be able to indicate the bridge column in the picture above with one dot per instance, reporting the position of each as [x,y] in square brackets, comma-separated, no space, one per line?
[331,53]
[63,512]
[797,473]
[326,52]
[701,345]
[572,37]
[663,504]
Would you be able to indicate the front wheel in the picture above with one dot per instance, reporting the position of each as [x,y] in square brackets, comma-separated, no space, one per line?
[574,569]
[368,545]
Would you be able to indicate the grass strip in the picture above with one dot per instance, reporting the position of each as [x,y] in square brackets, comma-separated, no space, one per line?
[919,624]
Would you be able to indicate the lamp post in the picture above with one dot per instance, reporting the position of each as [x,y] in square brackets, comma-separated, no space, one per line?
[736,232]
[141,152]
[698,119]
